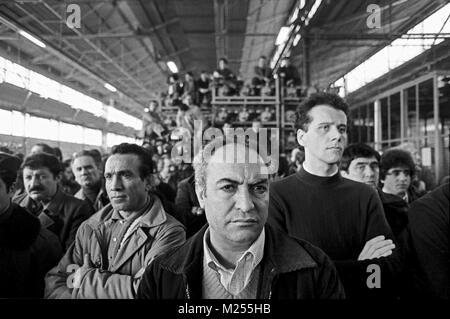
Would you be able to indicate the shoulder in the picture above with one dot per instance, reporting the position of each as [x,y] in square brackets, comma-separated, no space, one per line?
[285,183]
[292,252]
[22,228]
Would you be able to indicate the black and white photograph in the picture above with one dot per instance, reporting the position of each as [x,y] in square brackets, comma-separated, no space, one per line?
[209,158]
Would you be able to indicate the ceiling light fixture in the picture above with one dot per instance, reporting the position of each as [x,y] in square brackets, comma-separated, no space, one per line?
[172,66]
[110,87]
[32,38]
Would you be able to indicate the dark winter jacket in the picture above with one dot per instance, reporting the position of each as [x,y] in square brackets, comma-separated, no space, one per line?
[27,252]
[290,269]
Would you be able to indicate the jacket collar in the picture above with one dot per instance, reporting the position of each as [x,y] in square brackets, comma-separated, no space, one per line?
[55,204]
[152,216]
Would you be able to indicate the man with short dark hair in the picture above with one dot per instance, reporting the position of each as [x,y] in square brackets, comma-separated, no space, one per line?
[88,174]
[360,163]
[113,247]
[237,255]
[396,171]
[342,217]
[58,212]
[27,251]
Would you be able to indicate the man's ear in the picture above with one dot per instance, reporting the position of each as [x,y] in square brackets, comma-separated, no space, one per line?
[300,137]
[59,177]
[344,173]
[149,182]
[200,196]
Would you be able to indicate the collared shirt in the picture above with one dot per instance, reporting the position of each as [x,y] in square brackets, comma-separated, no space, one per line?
[235,280]
[122,228]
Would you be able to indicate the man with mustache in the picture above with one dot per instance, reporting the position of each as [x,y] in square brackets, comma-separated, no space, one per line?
[27,251]
[88,175]
[340,216]
[57,211]
[238,256]
[113,247]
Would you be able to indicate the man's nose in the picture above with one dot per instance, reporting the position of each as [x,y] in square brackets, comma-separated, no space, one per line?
[243,200]
[369,171]
[334,133]
[35,181]
[116,183]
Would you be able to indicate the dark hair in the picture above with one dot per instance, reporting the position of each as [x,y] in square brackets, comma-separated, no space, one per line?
[190,73]
[356,150]
[396,158]
[302,117]
[46,148]
[6,150]
[40,160]
[97,157]
[263,57]
[146,167]
[224,60]
[66,163]
[57,152]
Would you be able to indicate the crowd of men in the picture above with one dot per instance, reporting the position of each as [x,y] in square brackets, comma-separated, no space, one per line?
[335,221]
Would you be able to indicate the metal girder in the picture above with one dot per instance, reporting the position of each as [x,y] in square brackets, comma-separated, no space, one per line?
[374,36]
[62,54]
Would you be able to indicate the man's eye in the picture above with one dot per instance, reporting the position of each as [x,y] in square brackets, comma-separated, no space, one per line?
[108,177]
[342,130]
[260,189]
[325,127]
[228,188]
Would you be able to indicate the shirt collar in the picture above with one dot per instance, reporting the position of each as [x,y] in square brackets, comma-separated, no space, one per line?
[256,251]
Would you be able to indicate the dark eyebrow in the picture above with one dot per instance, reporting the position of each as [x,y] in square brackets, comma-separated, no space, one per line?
[260,181]
[228,180]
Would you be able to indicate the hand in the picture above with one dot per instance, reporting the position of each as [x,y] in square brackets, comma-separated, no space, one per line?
[377,247]
[79,273]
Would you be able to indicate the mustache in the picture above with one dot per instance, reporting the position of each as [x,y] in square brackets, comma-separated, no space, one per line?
[36,188]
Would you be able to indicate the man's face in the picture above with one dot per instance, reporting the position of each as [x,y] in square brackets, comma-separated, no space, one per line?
[236,199]
[86,171]
[326,135]
[126,190]
[4,196]
[397,180]
[364,170]
[222,64]
[40,183]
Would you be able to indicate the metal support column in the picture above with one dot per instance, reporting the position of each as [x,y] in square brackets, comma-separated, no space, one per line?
[437,133]
[377,125]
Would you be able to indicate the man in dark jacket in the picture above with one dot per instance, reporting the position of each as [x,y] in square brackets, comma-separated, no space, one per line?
[58,212]
[187,207]
[238,256]
[27,251]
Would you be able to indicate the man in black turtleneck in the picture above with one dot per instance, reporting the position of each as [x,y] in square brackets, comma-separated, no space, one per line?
[87,171]
[343,217]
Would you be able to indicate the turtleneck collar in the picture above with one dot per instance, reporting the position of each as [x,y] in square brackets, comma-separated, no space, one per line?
[311,179]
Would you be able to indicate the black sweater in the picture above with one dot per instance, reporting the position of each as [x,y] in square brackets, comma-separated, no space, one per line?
[339,216]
